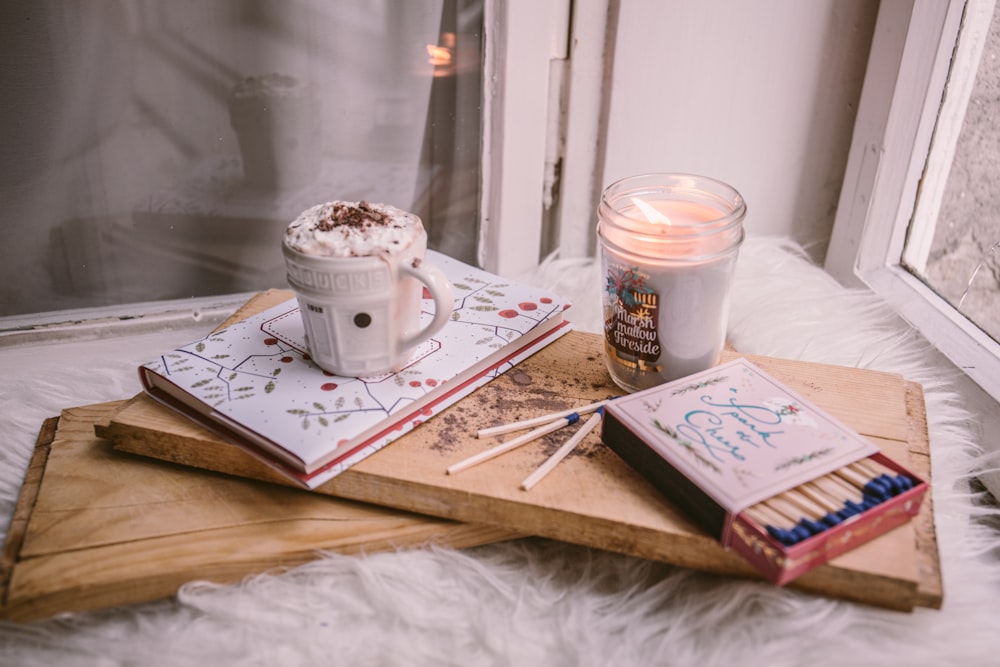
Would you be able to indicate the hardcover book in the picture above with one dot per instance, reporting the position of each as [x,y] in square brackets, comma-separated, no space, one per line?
[255,384]
[765,471]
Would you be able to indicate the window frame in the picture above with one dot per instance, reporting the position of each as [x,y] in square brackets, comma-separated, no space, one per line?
[900,119]
[521,110]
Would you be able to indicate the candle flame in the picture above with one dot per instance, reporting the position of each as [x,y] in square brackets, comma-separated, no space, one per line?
[439,56]
[651,213]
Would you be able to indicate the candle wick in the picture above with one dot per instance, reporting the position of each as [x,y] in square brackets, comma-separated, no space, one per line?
[651,213]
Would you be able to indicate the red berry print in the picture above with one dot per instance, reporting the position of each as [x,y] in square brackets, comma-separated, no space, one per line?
[545,299]
[414,383]
[528,305]
[431,382]
[328,386]
[270,341]
[287,360]
[508,314]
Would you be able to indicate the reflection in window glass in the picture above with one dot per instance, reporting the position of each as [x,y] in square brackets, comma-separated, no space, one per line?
[156,150]
[963,262]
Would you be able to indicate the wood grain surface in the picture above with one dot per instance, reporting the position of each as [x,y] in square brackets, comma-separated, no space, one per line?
[592,498]
[97,528]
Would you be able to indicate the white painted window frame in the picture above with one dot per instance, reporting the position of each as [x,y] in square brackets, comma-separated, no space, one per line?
[902,136]
[543,115]
[522,41]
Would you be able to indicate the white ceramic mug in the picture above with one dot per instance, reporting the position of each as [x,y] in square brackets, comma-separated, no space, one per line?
[362,313]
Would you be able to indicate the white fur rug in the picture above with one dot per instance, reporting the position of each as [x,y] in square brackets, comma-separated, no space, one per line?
[536,602]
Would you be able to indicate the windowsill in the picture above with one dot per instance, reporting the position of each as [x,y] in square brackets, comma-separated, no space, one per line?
[116,321]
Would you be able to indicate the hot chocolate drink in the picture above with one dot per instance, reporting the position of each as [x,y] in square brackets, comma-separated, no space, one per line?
[359,273]
[345,229]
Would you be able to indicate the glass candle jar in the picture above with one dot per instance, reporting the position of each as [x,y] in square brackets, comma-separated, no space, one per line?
[669,244]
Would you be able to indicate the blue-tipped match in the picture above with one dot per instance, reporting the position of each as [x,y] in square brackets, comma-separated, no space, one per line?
[846,513]
[898,483]
[781,535]
[801,532]
[814,527]
[831,519]
[854,507]
[572,418]
[891,484]
[871,501]
[876,490]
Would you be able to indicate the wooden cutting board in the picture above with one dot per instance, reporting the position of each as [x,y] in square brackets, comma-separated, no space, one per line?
[97,528]
[592,498]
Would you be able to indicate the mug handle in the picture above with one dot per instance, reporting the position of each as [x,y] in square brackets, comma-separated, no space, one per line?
[440,289]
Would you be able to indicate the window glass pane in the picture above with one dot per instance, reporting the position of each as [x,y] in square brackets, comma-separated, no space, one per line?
[156,149]
[963,260]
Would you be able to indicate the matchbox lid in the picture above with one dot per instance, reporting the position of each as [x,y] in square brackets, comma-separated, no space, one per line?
[739,434]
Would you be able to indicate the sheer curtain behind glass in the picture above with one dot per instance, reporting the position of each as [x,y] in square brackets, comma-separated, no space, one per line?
[156,150]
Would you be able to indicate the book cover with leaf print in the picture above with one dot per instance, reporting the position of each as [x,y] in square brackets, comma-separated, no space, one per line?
[255,384]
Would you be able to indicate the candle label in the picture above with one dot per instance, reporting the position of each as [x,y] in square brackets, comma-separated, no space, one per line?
[631,319]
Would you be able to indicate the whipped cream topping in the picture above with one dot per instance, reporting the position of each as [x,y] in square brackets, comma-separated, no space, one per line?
[352,229]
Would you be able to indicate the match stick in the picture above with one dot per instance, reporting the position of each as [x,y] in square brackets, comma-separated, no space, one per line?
[795,514]
[853,499]
[561,453]
[894,481]
[824,502]
[851,477]
[766,517]
[535,421]
[880,468]
[873,487]
[838,488]
[511,444]
[780,527]
[805,504]
[816,495]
